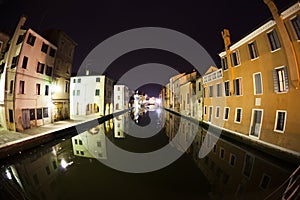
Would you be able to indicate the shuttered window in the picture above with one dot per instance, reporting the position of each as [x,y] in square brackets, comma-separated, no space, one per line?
[280,77]
[274,40]
[257,83]
[296,24]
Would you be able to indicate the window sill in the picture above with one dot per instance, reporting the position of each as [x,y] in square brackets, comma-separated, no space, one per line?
[253,59]
[275,50]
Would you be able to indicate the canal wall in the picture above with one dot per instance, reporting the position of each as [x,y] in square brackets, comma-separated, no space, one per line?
[277,152]
[41,137]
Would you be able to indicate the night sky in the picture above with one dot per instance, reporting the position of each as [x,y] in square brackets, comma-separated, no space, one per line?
[90,22]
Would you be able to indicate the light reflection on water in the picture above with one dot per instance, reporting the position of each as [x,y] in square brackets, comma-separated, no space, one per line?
[71,169]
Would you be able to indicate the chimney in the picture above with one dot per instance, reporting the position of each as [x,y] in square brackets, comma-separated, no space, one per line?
[226,38]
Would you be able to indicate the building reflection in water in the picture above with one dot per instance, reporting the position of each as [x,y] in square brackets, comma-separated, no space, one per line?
[91,143]
[232,171]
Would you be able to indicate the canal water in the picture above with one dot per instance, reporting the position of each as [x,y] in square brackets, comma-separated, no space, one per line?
[87,166]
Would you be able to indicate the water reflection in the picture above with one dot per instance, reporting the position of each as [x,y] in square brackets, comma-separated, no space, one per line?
[71,170]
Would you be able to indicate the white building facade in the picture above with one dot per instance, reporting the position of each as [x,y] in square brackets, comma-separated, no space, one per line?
[121,97]
[91,95]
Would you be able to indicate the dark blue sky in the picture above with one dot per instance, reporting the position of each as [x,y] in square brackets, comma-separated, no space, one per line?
[90,22]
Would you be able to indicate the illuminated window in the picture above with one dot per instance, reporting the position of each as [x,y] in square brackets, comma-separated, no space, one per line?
[235,58]
[274,40]
[253,50]
[280,121]
[296,24]
[280,77]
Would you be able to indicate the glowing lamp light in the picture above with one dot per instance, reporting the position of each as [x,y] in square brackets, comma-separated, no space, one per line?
[8,174]
[158,101]
[64,164]
[56,88]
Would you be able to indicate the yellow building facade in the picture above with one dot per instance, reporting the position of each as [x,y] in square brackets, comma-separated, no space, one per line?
[260,84]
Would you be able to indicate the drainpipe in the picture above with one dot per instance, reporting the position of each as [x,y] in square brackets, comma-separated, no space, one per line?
[286,43]
[227,43]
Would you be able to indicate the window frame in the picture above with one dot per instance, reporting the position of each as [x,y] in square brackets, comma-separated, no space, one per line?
[238,58]
[251,121]
[240,86]
[253,51]
[276,121]
[275,36]
[225,113]
[254,84]
[235,115]
[217,111]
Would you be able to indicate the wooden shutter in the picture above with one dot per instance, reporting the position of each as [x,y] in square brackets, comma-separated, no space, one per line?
[286,79]
[275,78]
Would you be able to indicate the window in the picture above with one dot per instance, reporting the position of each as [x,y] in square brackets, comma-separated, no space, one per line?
[217,111]
[253,50]
[248,165]
[32,114]
[219,90]
[74,80]
[215,148]
[22,87]
[226,113]
[46,90]
[67,87]
[74,92]
[39,113]
[232,159]
[11,116]
[296,24]
[222,153]
[48,71]
[280,121]
[187,98]
[237,86]
[40,68]
[44,48]
[227,88]
[204,91]
[211,91]
[2,68]
[48,170]
[257,80]
[235,58]
[54,164]
[79,80]
[52,52]
[118,98]
[265,181]
[31,39]
[38,89]
[256,122]
[11,87]
[78,92]
[205,110]
[98,80]
[97,92]
[24,63]
[45,112]
[224,63]
[210,113]
[14,62]
[20,39]
[238,115]
[280,77]
[274,40]
[80,142]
